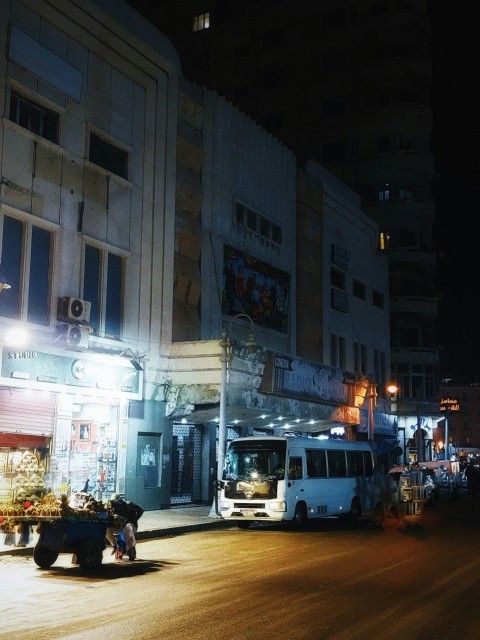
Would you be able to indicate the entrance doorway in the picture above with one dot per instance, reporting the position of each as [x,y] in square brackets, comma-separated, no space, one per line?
[186,464]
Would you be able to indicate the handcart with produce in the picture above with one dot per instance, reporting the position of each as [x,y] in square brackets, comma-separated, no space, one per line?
[65,529]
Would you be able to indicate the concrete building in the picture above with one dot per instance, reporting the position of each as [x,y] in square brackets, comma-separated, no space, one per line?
[127,195]
[88,161]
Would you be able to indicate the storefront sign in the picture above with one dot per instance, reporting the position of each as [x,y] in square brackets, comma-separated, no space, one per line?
[303,379]
[449,404]
[90,373]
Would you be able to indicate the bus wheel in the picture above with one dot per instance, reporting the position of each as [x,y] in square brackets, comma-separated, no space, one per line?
[355,510]
[300,516]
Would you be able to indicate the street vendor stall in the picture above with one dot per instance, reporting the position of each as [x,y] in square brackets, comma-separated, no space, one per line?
[65,529]
[410,492]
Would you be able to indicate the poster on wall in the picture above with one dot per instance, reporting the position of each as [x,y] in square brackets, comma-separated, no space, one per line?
[148,447]
[256,288]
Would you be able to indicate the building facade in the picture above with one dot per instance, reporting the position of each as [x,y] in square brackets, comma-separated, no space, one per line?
[348,85]
[86,227]
[141,218]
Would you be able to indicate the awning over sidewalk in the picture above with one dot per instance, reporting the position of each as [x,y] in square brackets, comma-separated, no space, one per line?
[431,464]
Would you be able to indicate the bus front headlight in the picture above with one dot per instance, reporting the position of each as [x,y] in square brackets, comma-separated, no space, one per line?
[279,505]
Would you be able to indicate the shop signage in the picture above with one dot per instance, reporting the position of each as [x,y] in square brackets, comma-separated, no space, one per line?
[449,404]
[90,373]
[303,379]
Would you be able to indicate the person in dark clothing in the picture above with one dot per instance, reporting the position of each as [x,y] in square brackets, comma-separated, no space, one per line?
[472,479]
[132,513]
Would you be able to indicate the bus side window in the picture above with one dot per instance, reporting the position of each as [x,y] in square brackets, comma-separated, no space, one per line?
[295,469]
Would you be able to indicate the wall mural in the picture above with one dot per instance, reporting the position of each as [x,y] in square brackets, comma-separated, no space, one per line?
[256,288]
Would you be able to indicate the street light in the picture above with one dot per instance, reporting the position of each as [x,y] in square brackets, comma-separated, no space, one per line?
[225,359]
[3,282]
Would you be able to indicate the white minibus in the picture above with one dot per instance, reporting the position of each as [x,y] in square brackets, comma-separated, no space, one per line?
[294,479]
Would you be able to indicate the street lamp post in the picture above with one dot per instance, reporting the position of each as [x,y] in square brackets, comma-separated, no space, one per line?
[371,397]
[419,430]
[225,358]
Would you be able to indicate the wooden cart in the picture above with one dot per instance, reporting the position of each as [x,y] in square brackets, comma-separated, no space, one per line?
[82,537]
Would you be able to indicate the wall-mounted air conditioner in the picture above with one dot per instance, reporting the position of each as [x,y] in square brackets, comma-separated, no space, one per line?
[77,336]
[74,309]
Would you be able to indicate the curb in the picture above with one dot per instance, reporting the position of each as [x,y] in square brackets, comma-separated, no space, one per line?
[150,534]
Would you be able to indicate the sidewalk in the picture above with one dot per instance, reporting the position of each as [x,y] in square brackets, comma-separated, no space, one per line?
[152,524]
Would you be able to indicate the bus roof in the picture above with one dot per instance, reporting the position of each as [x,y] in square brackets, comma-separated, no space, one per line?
[317,443]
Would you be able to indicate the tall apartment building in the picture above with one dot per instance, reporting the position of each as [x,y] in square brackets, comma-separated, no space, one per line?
[347,84]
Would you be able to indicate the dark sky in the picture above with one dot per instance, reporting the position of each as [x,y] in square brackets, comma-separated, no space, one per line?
[454,143]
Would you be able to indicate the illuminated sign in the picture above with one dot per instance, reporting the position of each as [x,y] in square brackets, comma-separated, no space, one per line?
[449,404]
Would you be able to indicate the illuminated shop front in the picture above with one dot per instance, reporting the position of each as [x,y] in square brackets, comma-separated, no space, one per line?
[70,413]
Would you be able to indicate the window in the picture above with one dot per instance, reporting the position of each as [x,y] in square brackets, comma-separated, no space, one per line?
[378,299]
[316,463]
[384,195]
[108,156]
[103,288]
[404,143]
[337,351]
[360,358]
[359,290]
[337,464]
[337,278]
[26,251]
[267,232]
[355,463]
[34,117]
[201,22]
[380,370]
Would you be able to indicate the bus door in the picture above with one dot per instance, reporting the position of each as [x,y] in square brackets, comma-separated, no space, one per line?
[295,479]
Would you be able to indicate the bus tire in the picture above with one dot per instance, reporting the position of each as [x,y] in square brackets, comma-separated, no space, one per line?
[300,516]
[355,510]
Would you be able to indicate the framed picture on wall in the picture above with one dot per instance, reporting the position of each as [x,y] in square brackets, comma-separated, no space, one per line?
[84,431]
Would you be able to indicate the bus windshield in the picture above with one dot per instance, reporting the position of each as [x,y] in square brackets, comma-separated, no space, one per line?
[254,468]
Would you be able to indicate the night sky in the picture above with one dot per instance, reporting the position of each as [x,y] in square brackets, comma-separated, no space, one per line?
[455,144]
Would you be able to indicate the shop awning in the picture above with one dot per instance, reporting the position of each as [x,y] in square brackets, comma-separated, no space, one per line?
[23,441]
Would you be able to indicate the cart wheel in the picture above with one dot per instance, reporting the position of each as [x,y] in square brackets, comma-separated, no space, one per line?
[89,554]
[43,556]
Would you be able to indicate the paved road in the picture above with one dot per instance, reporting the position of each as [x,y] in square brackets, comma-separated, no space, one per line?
[334,581]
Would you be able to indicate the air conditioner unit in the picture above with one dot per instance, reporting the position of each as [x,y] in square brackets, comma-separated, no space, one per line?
[77,336]
[74,309]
